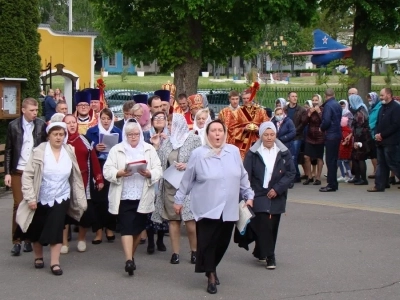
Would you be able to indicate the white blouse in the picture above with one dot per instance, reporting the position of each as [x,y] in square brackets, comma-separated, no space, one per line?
[55,181]
[269,158]
[132,187]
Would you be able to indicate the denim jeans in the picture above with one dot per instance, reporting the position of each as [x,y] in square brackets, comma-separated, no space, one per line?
[388,160]
[344,166]
[295,154]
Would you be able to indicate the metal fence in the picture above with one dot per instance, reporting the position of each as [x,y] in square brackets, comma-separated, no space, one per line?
[218,98]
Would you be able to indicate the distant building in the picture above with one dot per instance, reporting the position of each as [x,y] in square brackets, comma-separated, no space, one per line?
[117,62]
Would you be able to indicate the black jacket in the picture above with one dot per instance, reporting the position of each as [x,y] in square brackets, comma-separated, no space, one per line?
[331,117]
[15,134]
[282,176]
[388,124]
[120,124]
[299,120]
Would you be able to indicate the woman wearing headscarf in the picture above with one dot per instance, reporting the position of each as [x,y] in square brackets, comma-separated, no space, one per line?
[131,196]
[362,137]
[314,141]
[201,121]
[286,131]
[308,104]
[215,177]
[175,151]
[280,102]
[374,107]
[90,169]
[52,187]
[271,171]
[346,111]
[102,218]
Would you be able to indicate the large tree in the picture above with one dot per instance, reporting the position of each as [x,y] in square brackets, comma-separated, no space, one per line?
[375,23]
[19,43]
[182,34]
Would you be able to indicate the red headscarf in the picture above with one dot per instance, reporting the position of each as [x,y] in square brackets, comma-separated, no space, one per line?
[72,136]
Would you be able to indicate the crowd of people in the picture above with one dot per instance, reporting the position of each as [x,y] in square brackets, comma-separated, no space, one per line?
[173,161]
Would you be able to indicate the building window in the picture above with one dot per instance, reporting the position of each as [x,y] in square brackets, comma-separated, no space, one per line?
[125,61]
[112,60]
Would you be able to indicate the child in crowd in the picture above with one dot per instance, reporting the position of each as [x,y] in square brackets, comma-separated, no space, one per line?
[345,149]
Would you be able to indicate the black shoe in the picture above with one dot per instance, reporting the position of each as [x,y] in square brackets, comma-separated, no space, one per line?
[193,257]
[291,185]
[175,259]
[271,263]
[327,189]
[361,182]
[317,182]
[161,247]
[27,247]
[16,250]
[150,249]
[110,238]
[211,288]
[96,242]
[39,263]
[392,180]
[308,181]
[57,272]
[130,267]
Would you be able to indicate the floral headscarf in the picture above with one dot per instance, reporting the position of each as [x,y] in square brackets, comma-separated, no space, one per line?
[374,98]
[179,131]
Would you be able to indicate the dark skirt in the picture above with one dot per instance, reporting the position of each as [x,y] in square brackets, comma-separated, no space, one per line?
[213,238]
[48,224]
[130,221]
[265,227]
[314,150]
[87,219]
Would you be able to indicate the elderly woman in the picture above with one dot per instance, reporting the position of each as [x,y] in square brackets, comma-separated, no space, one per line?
[315,143]
[175,151]
[201,121]
[141,113]
[102,218]
[362,138]
[90,169]
[215,177]
[131,195]
[52,186]
[271,171]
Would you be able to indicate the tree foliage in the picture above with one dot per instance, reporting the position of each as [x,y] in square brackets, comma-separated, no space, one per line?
[181,34]
[19,43]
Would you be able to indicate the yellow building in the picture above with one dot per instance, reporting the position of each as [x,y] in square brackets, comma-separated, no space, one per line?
[70,55]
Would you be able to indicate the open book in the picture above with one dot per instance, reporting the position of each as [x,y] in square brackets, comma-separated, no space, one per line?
[245,215]
[109,140]
[136,166]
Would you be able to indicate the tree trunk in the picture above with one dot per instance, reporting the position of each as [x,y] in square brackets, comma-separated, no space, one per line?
[362,55]
[186,76]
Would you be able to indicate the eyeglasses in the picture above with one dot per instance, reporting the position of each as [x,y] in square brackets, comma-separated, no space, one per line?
[83,105]
[159,119]
[131,135]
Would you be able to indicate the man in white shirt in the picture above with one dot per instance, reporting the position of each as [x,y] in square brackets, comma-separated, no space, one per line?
[23,134]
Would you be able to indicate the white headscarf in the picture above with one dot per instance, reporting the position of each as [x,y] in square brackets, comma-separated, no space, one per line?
[345,110]
[282,101]
[179,131]
[57,117]
[202,131]
[133,153]
[60,124]
[309,103]
[101,128]
[264,126]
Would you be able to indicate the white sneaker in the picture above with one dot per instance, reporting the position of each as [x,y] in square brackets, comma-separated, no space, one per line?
[81,246]
[341,179]
[64,249]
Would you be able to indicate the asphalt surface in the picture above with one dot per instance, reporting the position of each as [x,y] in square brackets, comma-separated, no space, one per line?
[342,245]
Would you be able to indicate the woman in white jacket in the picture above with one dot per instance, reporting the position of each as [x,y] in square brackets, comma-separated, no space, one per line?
[131,196]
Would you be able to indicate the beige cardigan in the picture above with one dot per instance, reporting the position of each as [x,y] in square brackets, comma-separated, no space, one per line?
[116,160]
[32,179]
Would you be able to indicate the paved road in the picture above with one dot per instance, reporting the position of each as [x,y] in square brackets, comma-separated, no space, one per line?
[342,245]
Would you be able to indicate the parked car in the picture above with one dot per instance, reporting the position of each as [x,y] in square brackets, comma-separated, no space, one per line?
[116,99]
[397,72]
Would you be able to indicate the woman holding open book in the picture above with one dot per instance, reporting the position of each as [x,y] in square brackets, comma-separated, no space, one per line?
[174,152]
[271,171]
[132,168]
[104,131]
[214,177]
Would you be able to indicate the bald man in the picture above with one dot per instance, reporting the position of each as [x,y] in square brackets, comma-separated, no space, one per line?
[352,91]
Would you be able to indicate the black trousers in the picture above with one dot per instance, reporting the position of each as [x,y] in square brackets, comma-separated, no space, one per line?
[266,228]
[213,238]
[388,160]
[331,157]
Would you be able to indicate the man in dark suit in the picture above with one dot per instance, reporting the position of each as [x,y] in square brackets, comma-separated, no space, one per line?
[126,108]
[23,134]
[331,117]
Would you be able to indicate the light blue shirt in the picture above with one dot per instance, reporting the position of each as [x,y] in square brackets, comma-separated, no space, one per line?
[215,183]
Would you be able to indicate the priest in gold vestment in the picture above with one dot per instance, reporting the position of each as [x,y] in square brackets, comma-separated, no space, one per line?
[243,125]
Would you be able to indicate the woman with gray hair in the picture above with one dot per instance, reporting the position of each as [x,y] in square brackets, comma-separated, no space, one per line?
[214,177]
[131,195]
[271,171]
